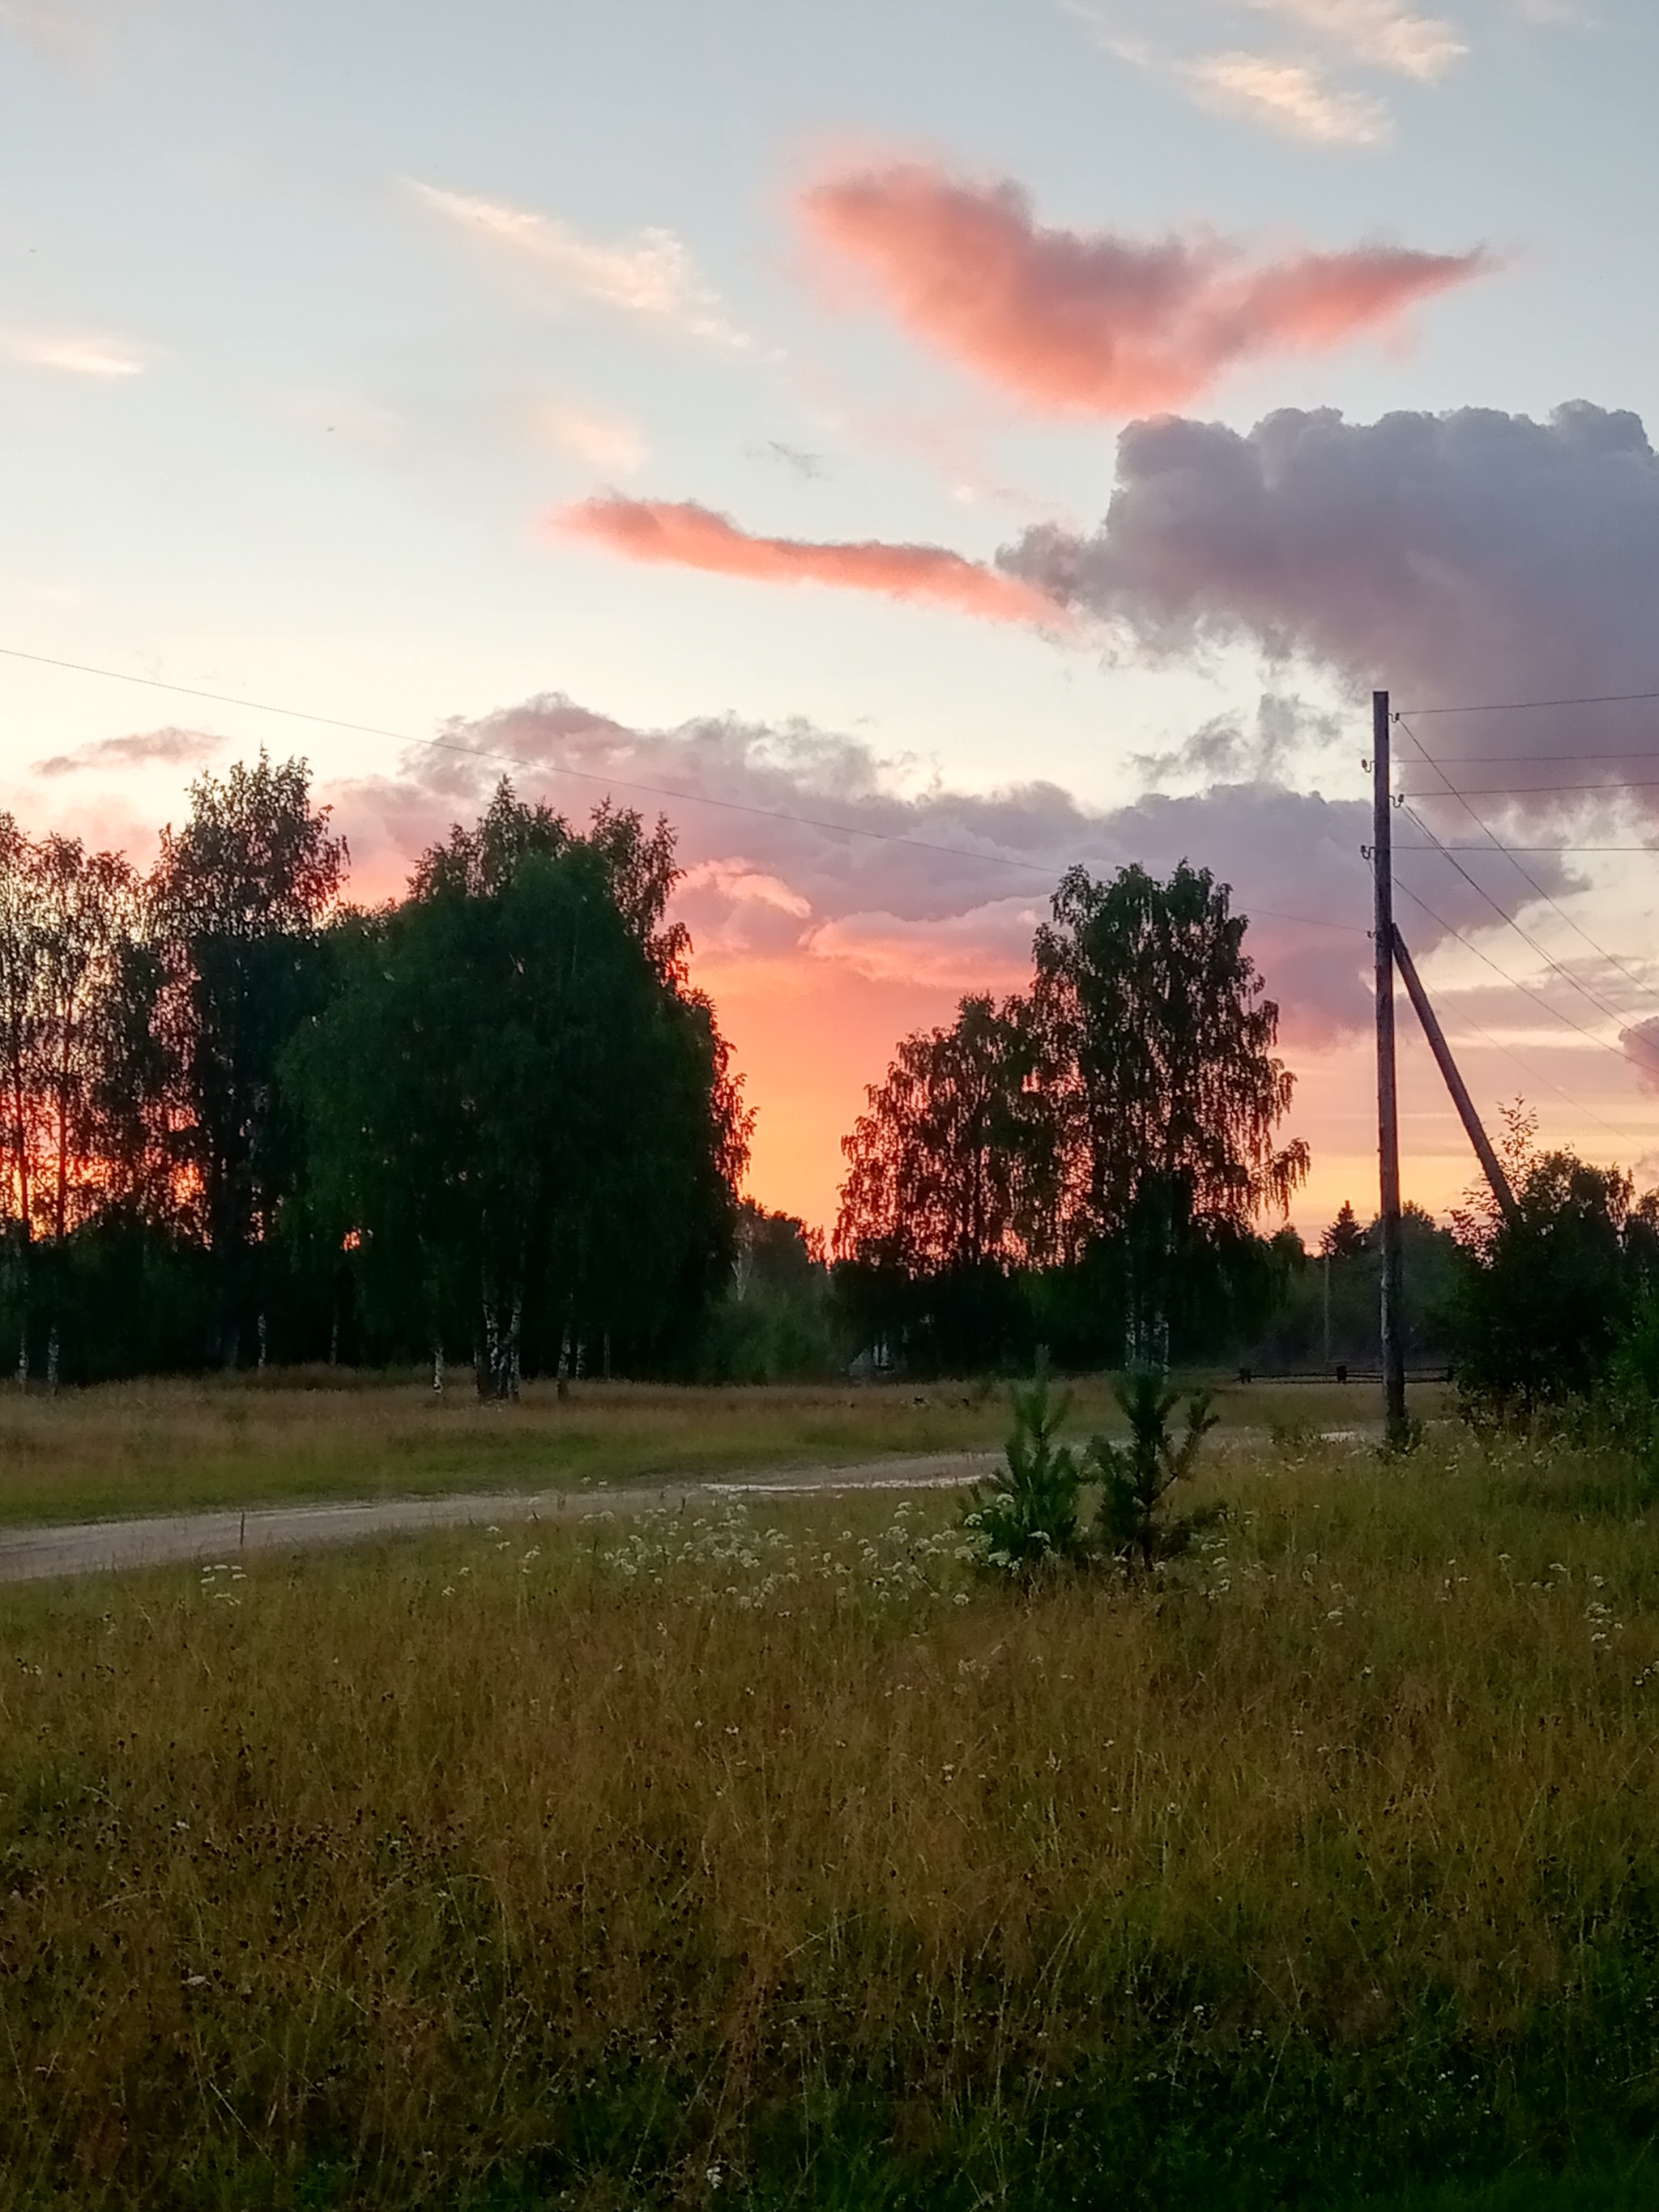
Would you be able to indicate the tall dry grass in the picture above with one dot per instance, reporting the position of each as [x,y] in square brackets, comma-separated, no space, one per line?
[251,1439]
[166,1446]
[602,1867]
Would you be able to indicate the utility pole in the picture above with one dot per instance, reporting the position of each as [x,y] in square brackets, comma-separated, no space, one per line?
[1388,1115]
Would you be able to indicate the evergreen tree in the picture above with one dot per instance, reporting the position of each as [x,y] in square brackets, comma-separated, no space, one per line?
[1345,1239]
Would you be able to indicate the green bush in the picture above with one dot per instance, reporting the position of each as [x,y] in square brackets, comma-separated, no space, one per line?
[1030,1519]
[1136,1478]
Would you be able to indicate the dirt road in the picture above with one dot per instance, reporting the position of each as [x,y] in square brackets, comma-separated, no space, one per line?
[103,1547]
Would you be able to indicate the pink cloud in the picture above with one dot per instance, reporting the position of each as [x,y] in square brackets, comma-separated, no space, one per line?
[1089,322]
[681,534]
[987,948]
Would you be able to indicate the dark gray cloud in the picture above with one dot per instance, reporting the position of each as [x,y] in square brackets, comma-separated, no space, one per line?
[1454,559]
[168,748]
[801,843]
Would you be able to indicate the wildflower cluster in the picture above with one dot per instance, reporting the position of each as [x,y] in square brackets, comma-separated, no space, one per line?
[220,1582]
[727,1558]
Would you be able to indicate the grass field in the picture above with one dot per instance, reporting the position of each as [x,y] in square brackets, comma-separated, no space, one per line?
[764,1857]
[245,1440]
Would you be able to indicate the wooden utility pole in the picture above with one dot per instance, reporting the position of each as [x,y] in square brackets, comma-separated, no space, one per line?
[1388,1115]
[1490,1164]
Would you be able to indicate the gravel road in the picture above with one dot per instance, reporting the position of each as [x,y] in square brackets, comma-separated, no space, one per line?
[105,1546]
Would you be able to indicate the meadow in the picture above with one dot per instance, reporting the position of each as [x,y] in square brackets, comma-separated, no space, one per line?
[248,1439]
[761,1855]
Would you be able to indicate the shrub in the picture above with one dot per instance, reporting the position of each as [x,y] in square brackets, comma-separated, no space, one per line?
[1030,1519]
[1136,1478]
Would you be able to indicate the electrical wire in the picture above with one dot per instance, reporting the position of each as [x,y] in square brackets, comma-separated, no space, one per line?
[1577,1104]
[1526,876]
[594,775]
[1527,790]
[1601,1005]
[1651,851]
[1529,705]
[1626,753]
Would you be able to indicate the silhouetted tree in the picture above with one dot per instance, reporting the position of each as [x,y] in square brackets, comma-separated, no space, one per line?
[1547,1292]
[237,900]
[66,917]
[945,1170]
[1163,1094]
[1345,1239]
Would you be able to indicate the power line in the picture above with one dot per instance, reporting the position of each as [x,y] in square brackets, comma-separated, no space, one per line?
[1577,1105]
[1526,790]
[1546,759]
[1528,705]
[1526,876]
[1538,999]
[1650,851]
[1601,1005]
[594,775]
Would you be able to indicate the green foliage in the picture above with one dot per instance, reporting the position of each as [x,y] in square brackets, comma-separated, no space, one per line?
[1326,1311]
[1028,1521]
[775,1322]
[1136,1478]
[1031,1520]
[1549,1293]
[948,1170]
[515,1113]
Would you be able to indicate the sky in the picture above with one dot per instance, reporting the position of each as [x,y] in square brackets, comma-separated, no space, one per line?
[917,446]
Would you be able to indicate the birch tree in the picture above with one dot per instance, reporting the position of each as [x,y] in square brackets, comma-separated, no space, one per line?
[238,897]
[1163,1091]
[516,1101]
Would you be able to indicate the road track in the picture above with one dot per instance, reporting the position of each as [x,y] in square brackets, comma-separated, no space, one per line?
[109,1546]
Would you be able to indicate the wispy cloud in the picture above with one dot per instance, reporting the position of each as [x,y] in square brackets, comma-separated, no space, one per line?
[686,536]
[168,748]
[651,275]
[1378,32]
[1292,98]
[74,353]
[1093,322]
[604,440]
[1298,91]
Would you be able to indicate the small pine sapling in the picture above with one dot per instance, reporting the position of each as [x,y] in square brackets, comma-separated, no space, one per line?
[1027,1520]
[1135,1478]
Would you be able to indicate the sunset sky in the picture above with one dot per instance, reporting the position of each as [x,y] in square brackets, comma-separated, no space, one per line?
[915,446]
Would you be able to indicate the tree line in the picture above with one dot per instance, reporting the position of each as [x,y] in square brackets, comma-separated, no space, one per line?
[243,1121]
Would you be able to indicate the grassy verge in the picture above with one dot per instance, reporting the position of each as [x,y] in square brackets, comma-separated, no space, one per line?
[166,1447]
[758,1858]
